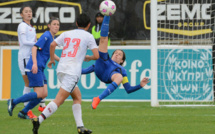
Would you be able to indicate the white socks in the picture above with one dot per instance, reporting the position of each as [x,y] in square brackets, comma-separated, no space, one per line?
[48,111]
[52,107]
[42,103]
[25,91]
[76,108]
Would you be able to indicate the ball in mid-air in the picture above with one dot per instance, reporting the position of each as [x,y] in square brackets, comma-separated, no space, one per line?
[107,7]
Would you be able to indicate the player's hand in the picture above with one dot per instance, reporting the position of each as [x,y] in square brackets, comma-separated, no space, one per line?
[87,58]
[34,69]
[50,63]
[144,81]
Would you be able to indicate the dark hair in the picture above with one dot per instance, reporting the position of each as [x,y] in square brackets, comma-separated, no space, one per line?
[83,20]
[22,8]
[52,19]
[99,14]
[123,58]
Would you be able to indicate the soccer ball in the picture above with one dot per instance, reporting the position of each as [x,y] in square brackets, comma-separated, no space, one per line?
[107,7]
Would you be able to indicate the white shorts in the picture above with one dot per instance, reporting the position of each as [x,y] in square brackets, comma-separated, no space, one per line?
[68,82]
[22,64]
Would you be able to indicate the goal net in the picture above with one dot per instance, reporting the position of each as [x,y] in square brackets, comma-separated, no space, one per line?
[184,52]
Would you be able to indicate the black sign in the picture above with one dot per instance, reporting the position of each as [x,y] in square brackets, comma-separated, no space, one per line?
[131,20]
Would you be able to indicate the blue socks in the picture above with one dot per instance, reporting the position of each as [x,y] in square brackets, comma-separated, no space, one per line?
[110,88]
[105,26]
[25,98]
[31,105]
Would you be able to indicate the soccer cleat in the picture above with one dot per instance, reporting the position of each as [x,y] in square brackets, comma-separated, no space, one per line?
[41,108]
[36,125]
[95,102]
[83,130]
[22,115]
[31,115]
[10,106]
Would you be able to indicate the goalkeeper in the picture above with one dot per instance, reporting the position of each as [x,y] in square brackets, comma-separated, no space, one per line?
[110,70]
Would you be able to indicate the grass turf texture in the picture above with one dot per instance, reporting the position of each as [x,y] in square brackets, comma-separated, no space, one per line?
[116,118]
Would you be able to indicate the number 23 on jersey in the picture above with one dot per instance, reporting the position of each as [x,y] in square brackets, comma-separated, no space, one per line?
[73,51]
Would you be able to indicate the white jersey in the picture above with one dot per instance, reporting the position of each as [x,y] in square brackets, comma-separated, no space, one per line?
[27,39]
[75,44]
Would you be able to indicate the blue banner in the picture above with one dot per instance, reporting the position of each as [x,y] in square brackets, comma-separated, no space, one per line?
[137,66]
[183,74]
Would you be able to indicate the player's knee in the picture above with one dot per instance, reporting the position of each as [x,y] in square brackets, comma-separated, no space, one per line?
[44,96]
[76,96]
[120,78]
[117,78]
[77,100]
[26,84]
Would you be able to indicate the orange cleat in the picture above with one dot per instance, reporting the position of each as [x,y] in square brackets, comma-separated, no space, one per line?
[41,108]
[31,115]
[95,102]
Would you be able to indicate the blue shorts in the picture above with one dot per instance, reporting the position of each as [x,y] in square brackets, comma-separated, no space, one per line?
[104,68]
[37,80]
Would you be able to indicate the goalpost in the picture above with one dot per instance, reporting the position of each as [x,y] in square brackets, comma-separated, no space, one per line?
[181,52]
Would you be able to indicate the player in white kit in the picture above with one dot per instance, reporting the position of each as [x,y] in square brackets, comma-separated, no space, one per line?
[75,44]
[27,39]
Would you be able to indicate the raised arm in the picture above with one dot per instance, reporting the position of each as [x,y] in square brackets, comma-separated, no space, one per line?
[95,55]
[129,89]
[88,70]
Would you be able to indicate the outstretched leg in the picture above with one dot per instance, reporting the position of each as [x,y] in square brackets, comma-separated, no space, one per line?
[77,112]
[26,89]
[117,79]
[26,97]
[50,109]
[103,43]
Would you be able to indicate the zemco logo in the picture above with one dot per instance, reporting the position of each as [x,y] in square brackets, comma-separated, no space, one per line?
[65,11]
[182,19]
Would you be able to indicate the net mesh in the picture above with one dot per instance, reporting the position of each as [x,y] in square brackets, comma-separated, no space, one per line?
[185,58]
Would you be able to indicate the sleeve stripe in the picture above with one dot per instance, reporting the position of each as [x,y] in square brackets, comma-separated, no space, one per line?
[39,48]
[125,80]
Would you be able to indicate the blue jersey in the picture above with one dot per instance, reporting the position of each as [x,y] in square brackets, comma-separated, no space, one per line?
[43,52]
[105,67]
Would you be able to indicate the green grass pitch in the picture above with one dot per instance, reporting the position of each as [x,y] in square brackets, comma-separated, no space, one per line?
[116,118]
